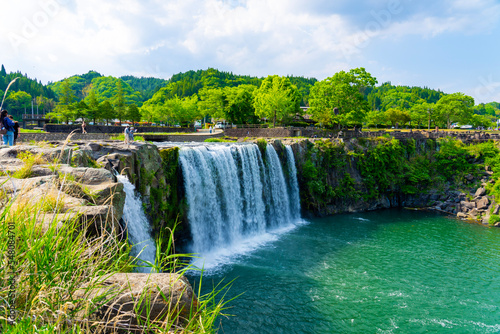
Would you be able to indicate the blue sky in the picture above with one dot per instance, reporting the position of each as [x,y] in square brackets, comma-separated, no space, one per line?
[447,45]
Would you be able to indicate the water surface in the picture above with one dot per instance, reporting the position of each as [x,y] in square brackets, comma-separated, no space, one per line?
[393,271]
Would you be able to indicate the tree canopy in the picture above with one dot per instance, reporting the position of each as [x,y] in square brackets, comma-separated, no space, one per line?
[339,100]
[277,99]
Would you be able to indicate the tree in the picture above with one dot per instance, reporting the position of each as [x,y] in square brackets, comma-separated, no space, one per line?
[277,99]
[423,112]
[81,110]
[106,112]
[240,107]
[481,121]
[375,117]
[119,102]
[397,116]
[212,102]
[65,109]
[183,110]
[133,113]
[93,106]
[456,107]
[339,100]
[18,102]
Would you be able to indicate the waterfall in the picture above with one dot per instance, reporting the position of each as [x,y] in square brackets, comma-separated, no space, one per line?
[234,194]
[139,231]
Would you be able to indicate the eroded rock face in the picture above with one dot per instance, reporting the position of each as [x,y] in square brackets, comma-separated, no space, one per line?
[133,297]
[61,193]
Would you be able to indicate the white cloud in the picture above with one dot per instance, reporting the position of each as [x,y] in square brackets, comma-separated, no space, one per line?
[314,38]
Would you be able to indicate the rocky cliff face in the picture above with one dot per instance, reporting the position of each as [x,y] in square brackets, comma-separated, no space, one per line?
[81,176]
[44,180]
[154,172]
[368,174]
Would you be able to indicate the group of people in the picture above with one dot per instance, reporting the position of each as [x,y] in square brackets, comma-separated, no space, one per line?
[129,134]
[9,127]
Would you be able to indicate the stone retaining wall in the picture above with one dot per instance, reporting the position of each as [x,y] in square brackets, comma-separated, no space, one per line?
[348,134]
[27,137]
[257,132]
[63,128]
[180,138]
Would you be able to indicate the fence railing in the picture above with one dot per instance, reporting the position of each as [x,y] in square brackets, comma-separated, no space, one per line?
[30,116]
[252,126]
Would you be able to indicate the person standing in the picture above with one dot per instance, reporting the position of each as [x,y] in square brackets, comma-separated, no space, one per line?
[8,138]
[131,134]
[127,134]
[16,128]
[84,127]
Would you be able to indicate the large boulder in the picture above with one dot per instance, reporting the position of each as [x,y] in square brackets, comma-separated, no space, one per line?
[89,175]
[480,192]
[482,203]
[127,300]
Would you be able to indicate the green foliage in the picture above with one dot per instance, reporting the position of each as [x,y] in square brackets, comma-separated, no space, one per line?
[165,200]
[397,116]
[455,107]
[453,159]
[16,99]
[121,136]
[493,220]
[344,91]
[29,161]
[381,167]
[146,86]
[108,89]
[218,140]
[262,144]
[78,83]
[277,99]
[377,100]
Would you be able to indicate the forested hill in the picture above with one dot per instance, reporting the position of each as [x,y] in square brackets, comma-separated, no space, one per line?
[384,96]
[136,90]
[80,84]
[23,92]
[33,87]
[189,83]
[146,86]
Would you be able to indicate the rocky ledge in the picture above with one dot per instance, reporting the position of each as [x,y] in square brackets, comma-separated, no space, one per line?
[471,206]
[75,183]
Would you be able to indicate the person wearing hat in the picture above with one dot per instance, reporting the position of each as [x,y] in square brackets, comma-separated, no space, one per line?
[127,134]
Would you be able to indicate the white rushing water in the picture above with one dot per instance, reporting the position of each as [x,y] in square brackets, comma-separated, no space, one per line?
[139,230]
[237,199]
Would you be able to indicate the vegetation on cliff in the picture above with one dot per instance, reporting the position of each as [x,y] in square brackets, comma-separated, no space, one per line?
[338,175]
